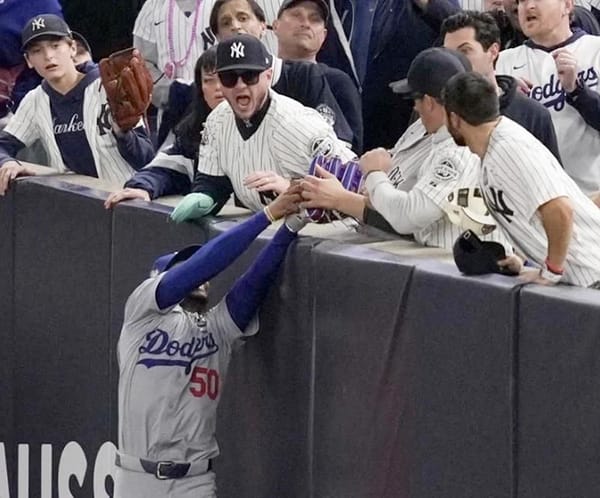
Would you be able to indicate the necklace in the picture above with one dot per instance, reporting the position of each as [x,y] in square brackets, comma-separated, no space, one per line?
[171,66]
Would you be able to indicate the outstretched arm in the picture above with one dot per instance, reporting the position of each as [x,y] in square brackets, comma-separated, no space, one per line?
[216,255]
[248,293]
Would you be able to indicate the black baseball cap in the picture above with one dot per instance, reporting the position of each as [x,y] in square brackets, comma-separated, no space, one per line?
[430,71]
[476,257]
[242,52]
[44,25]
[322,4]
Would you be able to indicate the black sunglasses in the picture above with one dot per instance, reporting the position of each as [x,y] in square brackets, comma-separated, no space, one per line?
[230,78]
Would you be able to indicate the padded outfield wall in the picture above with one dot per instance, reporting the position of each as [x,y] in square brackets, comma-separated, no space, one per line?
[379,371]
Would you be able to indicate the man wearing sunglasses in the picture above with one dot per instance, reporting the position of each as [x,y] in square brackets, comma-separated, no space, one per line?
[257,129]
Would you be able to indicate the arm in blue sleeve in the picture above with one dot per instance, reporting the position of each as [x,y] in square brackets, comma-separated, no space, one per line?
[218,188]
[9,146]
[208,261]
[248,293]
[136,147]
[159,181]
[587,103]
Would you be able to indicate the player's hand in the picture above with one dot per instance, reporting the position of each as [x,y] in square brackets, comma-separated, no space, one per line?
[566,66]
[124,195]
[595,198]
[512,264]
[193,207]
[322,191]
[287,202]
[376,160]
[265,181]
[9,171]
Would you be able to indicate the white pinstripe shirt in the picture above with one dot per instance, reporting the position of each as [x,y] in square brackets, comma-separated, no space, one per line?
[284,143]
[33,121]
[518,175]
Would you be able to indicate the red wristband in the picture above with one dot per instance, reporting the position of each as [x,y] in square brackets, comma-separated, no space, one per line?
[554,269]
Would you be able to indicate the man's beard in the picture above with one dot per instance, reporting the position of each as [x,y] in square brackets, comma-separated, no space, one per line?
[456,135]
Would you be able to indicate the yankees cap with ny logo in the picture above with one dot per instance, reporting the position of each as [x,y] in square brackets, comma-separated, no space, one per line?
[243,52]
[44,25]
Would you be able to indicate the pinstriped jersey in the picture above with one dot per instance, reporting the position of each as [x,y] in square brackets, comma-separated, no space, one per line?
[289,135]
[518,175]
[172,366]
[34,120]
[579,143]
[154,25]
[408,154]
[447,168]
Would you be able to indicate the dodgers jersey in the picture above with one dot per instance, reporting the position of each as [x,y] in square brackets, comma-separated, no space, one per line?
[518,175]
[445,168]
[76,131]
[172,366]
[579,143]
[284,142]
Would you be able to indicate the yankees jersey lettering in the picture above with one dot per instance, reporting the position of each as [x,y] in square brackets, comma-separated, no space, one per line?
[518,175]
[578,141]
[173,365]
[446,168]
[76,132]
[284,142]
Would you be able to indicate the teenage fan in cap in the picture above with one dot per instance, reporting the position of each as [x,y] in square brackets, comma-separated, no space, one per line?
[68,113]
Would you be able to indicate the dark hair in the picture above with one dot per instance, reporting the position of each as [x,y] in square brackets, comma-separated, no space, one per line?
[473,97]
[214,13]
[485,26]
[188,131]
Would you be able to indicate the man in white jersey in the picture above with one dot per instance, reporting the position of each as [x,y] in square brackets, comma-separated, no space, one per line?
[412,196]
[563,67]
[255,129]
[69,114]
[550,221]
[174,352]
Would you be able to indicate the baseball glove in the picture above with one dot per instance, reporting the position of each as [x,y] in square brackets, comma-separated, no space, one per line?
[128,86]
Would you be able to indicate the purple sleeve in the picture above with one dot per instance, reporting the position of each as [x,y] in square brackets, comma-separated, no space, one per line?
[210,260]
[248,293]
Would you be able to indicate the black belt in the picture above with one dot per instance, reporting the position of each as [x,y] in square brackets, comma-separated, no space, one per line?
[164,469]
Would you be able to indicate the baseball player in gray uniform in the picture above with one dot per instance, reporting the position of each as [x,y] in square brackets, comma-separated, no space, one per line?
[550,221]
[173,355]
[255,129]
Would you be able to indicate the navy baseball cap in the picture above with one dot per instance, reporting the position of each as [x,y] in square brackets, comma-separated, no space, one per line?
[322,4]
[476,257]
[242,52]
[430,71]
[166,261]
[44,25]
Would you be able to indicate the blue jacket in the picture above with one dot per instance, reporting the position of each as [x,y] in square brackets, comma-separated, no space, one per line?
[400,31]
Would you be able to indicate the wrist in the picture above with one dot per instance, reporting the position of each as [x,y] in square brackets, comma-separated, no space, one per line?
[556,269]
[270,215]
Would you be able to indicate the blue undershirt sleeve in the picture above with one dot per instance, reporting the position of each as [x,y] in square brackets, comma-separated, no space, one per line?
[208,261]
[248,293]
[9,146]
[136,147]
